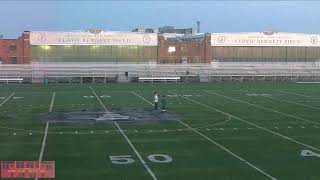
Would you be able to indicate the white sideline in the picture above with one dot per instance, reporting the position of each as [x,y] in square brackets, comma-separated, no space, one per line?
[7,99]
[265,108]
[302,95]
[291,102]
[127,139]
[257,126]
[217,144]
[46,130]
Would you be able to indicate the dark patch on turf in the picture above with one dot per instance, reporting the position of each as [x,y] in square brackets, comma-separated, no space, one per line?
[95,116]
[5,115]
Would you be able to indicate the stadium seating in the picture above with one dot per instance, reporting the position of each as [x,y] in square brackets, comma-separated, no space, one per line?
[218,71]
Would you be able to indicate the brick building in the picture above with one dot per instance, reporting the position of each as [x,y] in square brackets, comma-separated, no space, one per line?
[184,48]
[124,48]
[142,47]
[15,51]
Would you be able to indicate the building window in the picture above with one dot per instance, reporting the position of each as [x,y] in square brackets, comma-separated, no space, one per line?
[13,60]
[171,49]
[13,47]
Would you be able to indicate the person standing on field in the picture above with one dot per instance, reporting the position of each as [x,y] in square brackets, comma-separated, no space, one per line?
[156,101]
[163,103]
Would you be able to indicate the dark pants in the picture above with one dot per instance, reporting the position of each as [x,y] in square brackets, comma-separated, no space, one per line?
[156,106]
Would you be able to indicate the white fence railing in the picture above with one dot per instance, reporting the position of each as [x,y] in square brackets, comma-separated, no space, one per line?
[159,70]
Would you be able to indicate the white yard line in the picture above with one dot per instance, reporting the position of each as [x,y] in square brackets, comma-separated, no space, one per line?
[127,139]
[7,99]
[262,107]
[302,95]
[255,125]
[302,82]
[104,107]
[137,153]
[142,98]
[52,101]
[292,102]
[214,142]
[46,130]
[44,141]
[228,151]
[287,101]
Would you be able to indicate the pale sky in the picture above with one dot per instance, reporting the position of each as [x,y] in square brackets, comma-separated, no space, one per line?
[215,16]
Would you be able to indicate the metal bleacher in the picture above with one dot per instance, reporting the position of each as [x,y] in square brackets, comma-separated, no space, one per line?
[217,71]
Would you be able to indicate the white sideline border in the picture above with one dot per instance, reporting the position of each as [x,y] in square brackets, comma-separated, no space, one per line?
[46,130]
[217,144]
[127,139]
[7,99]
[255,125]
[262,107]
[302,82]
[302,95]
[288,101]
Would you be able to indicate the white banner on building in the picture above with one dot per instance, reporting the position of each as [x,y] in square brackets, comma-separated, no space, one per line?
[265,39]
[93,38]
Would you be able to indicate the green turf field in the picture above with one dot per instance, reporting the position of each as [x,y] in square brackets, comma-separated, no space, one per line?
[228,131]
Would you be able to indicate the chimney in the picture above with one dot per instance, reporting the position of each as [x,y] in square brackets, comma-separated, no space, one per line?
[198,26]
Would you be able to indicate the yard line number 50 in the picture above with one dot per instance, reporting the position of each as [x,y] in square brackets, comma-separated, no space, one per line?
[127,159]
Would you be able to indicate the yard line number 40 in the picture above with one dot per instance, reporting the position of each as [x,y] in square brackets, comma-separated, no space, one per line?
[127,159]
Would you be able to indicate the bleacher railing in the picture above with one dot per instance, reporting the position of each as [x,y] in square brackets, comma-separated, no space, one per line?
[161,70]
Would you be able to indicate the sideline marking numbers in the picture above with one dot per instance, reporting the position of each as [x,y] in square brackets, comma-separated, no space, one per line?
[170,95]
[308,153]
[187,95]
[105,96]
[123,159]
[160,158]
[255,94]
[88,96]
[15,97]
[127,159]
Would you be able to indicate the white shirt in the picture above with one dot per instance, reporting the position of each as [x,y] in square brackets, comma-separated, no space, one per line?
[156,99]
